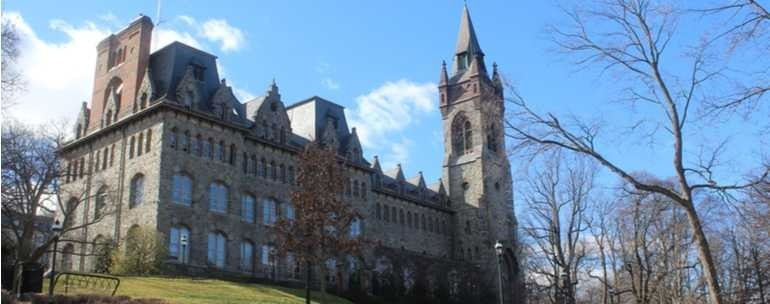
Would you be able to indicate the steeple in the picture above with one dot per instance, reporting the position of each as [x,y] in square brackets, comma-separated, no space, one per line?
[467,44]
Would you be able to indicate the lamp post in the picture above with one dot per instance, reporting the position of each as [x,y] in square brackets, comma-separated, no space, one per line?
[56,229]
[499,251]
[183,242]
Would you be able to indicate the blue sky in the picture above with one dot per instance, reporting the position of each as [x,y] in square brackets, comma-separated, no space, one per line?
[380,59]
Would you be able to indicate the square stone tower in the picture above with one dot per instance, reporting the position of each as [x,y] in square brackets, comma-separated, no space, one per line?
[476,167]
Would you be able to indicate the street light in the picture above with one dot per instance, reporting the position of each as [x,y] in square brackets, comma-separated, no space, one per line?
[499,251]
[56,230]
[183,242]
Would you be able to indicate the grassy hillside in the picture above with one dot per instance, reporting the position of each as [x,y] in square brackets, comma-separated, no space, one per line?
[209,291]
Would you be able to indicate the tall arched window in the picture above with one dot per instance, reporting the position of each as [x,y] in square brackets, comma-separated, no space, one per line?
[231,158]
[148,141]
[66,258]
[181,192]
[409,219]
[196,145]
[269,211]
[104,158]
[218,151]
[100,201]
[291,175]
[283,173]
[131,144]
[218,197]
[172,138]
[216,249]
[378,212]
[179,243]
[247,208]
[136,195]
[273,174]
[247,255]
[184,141]
[263,168]
[207,146]
[462,134]
[387,213]
[139,143]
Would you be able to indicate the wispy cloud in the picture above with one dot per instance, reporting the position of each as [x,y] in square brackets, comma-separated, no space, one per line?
[388,110]
[218,30]
[330,84]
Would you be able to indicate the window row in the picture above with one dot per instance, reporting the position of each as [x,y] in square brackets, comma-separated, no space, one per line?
[139,144]
[217,255]
[391,214]
[198,146]
[356,189]
[267,169]
[219,199]
[103,159]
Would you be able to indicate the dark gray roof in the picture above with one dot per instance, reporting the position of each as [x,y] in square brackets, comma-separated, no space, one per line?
[308,118]
[168,65]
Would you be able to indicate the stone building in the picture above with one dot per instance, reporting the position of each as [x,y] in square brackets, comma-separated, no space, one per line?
[164,143]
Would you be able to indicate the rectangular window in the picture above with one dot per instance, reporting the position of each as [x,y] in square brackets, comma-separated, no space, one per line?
[267,254]
[216,249]
[218,197]
[247,208]
[268,212]
[247,256]
[355,228]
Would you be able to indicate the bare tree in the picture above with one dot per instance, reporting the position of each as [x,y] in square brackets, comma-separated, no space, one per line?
[12,81]
[31,186]
[631,37]
[321,227]
[557,197]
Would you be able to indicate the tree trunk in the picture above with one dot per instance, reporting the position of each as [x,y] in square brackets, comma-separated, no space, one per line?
[704,255]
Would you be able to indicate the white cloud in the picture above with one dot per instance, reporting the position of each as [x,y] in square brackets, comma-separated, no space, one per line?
[59,75]
[163,36]
[330,84]
[388,110]
[218,30]
[398,153]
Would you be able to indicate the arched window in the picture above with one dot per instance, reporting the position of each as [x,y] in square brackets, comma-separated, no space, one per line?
[267,255]
[283,173]
[207,147]
[462,134]
[98,158]
[179,243]
[112,154]
[137,191]
[148,141]
[104,158]
[291,175]
[216,249]
[263,168]
[269,211]
[181,192]
[139,142]
[66,257]
[100,201]
[401,216]
[172,138]
[253,166]
[245,163]
[247,208]
[196,145]
[131,144]
[378,212]
[468,134]
[143,101]
[231,158]
[409,219]
[247,256]
[355,227]
[348,187]
[218,151]
[273,169]
[387,213]
[218,197]
[184,141]
[100,249]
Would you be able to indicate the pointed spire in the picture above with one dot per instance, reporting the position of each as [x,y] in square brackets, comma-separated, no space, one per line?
[466,38]
[421,182]
[376,165]
[399,173]
[273,88]
[496,77]
[444,78]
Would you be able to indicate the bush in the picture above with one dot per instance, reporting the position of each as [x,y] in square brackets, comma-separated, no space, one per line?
[143,253]
[92,299]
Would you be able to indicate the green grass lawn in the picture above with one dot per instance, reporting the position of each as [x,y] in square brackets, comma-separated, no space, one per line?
[206,291]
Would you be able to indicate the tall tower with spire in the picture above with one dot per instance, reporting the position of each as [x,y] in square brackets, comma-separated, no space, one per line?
[476,170]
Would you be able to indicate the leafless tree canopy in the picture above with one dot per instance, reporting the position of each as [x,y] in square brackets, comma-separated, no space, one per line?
[632,39]
[12,81]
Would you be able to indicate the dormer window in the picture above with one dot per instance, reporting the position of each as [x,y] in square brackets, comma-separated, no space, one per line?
[188,98]
[462,61]
[198,72]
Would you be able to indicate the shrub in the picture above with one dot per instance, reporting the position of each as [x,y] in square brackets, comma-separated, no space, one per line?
[92,299]
[142,253]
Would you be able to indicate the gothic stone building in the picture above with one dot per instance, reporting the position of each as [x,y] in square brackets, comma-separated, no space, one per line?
[164,143]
